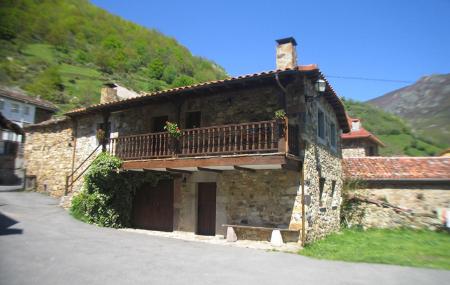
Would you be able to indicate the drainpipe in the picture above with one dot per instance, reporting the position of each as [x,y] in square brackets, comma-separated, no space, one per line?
[283,99]
[302,181]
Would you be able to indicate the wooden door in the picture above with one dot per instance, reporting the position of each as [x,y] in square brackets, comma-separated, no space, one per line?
[206,223]
[153,207]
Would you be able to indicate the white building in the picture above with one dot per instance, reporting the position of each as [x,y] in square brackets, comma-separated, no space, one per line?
[22,110]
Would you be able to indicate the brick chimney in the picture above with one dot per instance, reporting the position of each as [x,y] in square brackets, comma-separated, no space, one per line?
[108,93]
[286,53]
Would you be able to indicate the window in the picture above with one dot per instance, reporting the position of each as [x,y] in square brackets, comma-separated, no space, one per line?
[193,120]
[321,124]
[2,104]
[8,148]
[158,123]
[321,188]
[371,151]
[333,188]
[26,110]
[333,137]
[15,108]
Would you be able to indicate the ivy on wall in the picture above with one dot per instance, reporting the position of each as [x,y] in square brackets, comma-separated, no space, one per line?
[107,195]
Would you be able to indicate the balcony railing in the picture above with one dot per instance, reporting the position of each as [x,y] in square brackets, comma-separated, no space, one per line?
[246,138]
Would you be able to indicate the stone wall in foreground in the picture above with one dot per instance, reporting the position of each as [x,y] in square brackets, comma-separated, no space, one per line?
[421,203]
[48,155]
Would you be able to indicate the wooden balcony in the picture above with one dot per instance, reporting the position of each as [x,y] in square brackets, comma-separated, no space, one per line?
[245,139]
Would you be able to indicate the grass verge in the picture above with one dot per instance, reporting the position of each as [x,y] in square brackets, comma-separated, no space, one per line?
[389,246]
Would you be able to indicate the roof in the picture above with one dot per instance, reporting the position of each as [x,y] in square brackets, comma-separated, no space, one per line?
[20,95]
[310,70]
[46,123]
[397,168]
[361,133]
[8,125]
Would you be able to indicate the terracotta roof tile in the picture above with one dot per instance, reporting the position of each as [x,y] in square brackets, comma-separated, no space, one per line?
[397,168]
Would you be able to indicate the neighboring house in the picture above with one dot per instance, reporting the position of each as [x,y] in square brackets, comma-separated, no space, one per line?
[21,110]
[359,142]
[417,187]
[235,164]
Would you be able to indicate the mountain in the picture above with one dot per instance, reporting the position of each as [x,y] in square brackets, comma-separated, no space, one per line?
[392,130]
[424,105]
[63,51]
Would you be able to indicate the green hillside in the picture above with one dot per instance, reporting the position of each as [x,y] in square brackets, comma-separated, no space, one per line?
[64,51]
[392,130]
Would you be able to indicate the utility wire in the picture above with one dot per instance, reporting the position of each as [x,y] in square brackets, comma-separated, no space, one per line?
[369,79]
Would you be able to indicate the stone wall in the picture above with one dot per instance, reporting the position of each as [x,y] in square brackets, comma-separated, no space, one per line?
[420,202]
[321,161]
[48,155]
[246,105]
[268,198]
[358,148]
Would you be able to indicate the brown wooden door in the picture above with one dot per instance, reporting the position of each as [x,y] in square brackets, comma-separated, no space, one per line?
[206,223]
[153,207]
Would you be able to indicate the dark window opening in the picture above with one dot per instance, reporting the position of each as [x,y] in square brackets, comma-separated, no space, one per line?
[371,151]
[193,120]
[321,124]
[333,188]
[158,123]
[333,137]
[321,188]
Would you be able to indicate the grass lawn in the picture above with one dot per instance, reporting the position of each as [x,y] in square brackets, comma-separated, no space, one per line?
[399,246]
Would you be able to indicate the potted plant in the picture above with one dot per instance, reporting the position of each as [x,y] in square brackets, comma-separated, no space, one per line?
[174,136]
[280,117]
[101,136]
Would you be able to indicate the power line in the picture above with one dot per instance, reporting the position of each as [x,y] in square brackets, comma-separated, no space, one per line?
[369,79]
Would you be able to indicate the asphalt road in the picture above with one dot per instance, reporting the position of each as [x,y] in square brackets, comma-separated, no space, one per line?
[41,244]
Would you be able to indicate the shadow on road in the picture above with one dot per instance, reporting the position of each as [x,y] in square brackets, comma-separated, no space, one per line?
[5,223]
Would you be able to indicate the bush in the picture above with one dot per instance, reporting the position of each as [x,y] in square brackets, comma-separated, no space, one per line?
[107,195]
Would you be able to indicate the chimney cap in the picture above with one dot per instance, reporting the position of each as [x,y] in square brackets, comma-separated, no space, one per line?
[287,40]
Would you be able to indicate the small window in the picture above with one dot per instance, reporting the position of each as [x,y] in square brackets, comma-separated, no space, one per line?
[321,124]
[321,188]
[158,123]
[333,188]
[15,108]
[2,104]
[333,137]
[26,110]
[193,120]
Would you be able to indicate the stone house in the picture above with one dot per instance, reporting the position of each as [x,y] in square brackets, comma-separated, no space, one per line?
[399,191]
[234,167]
[359,142]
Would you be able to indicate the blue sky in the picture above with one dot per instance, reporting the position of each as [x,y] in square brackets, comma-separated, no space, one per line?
[396,39]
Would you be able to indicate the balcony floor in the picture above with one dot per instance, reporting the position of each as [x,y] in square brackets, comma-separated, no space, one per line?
[217,163]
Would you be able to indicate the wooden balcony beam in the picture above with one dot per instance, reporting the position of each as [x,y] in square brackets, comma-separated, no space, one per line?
[237,167]
[178,170]
[209,169]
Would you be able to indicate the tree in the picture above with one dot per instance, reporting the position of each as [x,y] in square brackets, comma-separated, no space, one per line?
[156,69]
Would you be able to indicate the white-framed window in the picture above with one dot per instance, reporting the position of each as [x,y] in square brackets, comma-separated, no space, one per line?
[26,110]
[15,108]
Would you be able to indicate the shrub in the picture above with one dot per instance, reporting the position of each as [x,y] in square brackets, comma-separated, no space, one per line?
[107,195]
